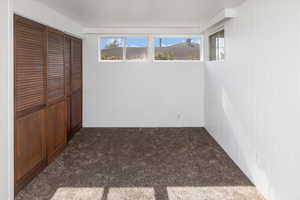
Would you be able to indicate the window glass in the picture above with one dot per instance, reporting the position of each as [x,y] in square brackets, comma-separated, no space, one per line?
[177,48]
[136,48]
[111,48]
[217,46]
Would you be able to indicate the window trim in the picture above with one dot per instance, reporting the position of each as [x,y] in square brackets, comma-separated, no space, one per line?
[150,48]
[124,48]
[99,47]
[216,30]
[178,36]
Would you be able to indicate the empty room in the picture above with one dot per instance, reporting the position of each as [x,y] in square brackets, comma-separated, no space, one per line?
[149,100]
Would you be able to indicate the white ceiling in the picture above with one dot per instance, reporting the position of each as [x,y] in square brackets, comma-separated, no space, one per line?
[137,13]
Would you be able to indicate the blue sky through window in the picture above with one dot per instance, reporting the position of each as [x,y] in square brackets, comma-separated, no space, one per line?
[143,41]
[168,41]
[131,41]
[108,40]
[137,42]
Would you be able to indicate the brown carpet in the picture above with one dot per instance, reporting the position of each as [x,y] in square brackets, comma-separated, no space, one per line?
[141,164]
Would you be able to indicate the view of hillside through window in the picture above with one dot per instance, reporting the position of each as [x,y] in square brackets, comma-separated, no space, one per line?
[112,48]
[136,48]
[178,48]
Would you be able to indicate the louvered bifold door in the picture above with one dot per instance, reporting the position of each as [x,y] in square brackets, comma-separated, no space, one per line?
[76,85]
[76,71]
[67,59]
[30,100]
[29,65]
[55,65]
[56,118]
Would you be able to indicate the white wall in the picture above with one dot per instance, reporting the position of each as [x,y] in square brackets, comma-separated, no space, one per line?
[39,12]
[141,94]
[6,101]
[252,99]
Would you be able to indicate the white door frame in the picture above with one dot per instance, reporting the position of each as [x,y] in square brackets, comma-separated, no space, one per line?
[6,101]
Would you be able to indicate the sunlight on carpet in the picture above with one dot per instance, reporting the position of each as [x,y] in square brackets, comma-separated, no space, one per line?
[212,193]
[78,194]
[133,193]
[149,193]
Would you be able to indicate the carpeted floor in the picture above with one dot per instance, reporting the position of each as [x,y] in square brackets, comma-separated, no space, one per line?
[141,164]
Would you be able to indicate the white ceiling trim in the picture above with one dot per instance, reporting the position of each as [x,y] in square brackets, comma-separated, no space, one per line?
[144,30]
[225,14]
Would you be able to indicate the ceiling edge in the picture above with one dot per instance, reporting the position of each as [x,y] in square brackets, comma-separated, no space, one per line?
[145,30]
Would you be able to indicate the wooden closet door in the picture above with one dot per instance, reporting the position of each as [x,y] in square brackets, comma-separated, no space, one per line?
[29,65]
[67,59]
[76,85]
[55,67]
[56,118]
[56,130]
[48,94]
[76,69]
[30,146]
[76,111]
[30,100]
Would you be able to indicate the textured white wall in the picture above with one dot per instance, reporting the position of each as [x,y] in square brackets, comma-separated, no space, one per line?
[141,94]
[6,101]
[252,98]
[39,12]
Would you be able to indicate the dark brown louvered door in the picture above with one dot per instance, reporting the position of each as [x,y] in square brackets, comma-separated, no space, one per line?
[30,100]
[29,66]
[76,111]
[76,85]
[67,66]
[56,119]
[55,67]
[56,130]
[45,99]
[67,59]
[76,69]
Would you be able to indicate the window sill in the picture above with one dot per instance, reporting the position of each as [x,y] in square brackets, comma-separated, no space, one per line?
[122,61]
[215,61]
[177,61]
[151,61]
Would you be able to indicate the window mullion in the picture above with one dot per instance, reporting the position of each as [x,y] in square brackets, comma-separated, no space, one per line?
[124,48]
[151,49]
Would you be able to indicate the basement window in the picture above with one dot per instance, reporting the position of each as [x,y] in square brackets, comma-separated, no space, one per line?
[123,48]
[217,46]
[177,48]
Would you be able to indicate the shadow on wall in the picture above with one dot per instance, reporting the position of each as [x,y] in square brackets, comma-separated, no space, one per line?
[232,123]
[232,134]
[245,148]
[224,122]
[229,121]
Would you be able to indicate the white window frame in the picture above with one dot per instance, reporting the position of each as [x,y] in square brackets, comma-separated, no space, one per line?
[124,48]
[216,30]
[178,36]
[150,48]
